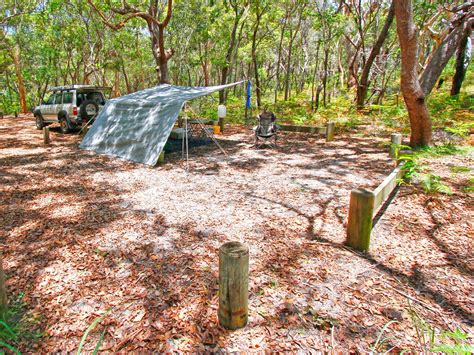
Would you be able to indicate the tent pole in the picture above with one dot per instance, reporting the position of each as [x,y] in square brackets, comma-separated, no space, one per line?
[187,145]
[211,136]
[182,146]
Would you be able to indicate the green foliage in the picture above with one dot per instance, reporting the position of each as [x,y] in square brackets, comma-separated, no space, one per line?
[91,327]
[380,339]
[17,326]
[470,186]
[431,339]
[453,343]
[415,168]
[432,184]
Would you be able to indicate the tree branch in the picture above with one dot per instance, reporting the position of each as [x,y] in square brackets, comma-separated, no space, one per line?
[132,14]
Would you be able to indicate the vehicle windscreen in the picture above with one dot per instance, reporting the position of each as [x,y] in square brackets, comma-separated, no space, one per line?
[95,96]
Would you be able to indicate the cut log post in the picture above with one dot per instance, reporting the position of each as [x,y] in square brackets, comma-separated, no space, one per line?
[359,226]
[233,285]
[46,139]
[395,142]
[330,131]
[161,158]
[3,289]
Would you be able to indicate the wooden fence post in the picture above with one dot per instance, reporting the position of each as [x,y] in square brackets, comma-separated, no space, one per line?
[395,142]
[233,285]
[46,139]
[359,226]
[330,131]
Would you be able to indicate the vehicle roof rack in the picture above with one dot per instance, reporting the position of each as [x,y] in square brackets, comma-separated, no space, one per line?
[73,87]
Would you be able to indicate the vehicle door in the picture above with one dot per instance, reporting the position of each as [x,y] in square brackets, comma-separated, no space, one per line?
[57,105]
[46,107]
[67,102]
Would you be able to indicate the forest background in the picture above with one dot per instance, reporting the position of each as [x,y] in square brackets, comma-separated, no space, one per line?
[308,61]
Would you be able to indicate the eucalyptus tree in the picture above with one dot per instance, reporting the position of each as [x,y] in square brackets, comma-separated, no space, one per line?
[363,82]
[413,94]
[239,10]
[115,15]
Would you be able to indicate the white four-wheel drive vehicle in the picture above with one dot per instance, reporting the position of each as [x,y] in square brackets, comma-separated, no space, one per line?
[72,106]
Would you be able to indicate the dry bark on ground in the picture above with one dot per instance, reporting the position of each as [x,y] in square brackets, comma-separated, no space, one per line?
[83,232]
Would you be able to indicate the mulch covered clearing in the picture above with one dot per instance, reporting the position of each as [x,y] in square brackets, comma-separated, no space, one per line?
[82,233]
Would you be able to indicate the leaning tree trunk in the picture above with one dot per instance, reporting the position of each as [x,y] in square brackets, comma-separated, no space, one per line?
[363,85]
[444,52]
[412,93]
[462,62]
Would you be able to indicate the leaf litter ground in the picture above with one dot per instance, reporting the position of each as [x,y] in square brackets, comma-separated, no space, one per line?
[83,232]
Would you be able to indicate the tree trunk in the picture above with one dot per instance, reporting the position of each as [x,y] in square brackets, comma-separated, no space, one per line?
[254,54]
[462,62]
[290,52]
[19,76]
[412,93]
[125,76]
[277,75]
[443,53]
[117,83]
[325,75]
[315,73]
[363,85]
[228,57]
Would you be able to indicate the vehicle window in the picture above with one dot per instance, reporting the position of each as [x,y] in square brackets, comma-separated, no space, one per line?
[97,97]
[50,99]
[58,98]
[79,99]
[67,98]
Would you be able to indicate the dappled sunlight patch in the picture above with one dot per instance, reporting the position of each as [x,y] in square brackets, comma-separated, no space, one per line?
[89,232]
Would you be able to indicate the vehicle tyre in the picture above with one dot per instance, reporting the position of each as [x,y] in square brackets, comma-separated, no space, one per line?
[64,125]
[39,121]
[88,110]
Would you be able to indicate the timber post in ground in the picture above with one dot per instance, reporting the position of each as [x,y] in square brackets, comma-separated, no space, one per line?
[395,142]
[359,225]
[330,131]
[46,139]
[233,285]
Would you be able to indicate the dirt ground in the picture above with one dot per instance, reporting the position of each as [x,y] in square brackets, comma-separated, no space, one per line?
[82,233]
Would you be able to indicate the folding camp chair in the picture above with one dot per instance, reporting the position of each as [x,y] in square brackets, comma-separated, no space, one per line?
[266,129]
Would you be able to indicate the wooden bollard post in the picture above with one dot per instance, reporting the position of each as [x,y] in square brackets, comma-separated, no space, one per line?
[330,131]
[233,285]
[359,226]
[46,139]
[395,142]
